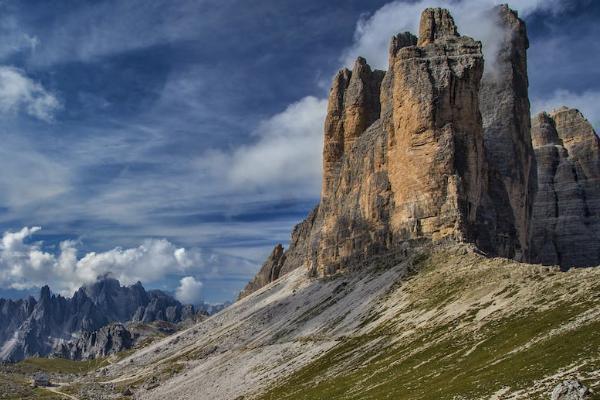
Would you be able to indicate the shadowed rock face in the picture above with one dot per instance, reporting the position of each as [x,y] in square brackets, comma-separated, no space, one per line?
[32,328]
[108,340]
[504,104]
[268,273]
[353,106]
[566,214]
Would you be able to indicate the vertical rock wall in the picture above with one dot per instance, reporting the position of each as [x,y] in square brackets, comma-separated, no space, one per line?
[504,104]
[566,214]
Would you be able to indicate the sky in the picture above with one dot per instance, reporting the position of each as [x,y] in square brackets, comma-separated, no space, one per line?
[176,142]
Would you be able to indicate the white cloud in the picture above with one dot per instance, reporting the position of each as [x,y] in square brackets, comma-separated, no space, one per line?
[189,290]
[18,92]
[98,29]
[14,39]
[29,177]
[587,102]
[25,265]
[373,32]
[285,155]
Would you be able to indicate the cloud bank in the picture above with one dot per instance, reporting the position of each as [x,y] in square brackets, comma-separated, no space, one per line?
[285,154]
[288,149]
[26,265]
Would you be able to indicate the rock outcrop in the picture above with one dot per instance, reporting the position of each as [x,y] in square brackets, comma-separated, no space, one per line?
[403,158]
[571,390]
[118,337]
[566,215]
[504,104]
[108,340]
[268,272]
[419,171]
[34,328]
[353,106]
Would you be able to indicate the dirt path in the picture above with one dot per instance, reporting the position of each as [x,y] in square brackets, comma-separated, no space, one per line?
[56,389]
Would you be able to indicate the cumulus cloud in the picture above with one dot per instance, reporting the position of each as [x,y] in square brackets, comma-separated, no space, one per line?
[373,32]
[286,151]
[18,92]
[189,290]
[25,264]
[587,102]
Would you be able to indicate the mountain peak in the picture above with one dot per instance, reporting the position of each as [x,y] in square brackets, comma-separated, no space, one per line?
[45,293]
[55,318]
[436,24]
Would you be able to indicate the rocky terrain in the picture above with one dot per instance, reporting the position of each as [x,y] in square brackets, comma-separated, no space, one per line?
[54,324]
[446,322]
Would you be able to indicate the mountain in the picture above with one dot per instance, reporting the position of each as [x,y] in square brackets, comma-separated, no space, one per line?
[436,149]
[37,328]
[410,278]
[447,322]
[117,337]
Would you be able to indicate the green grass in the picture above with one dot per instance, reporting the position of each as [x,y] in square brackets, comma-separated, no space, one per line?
[436,365]
[61,365]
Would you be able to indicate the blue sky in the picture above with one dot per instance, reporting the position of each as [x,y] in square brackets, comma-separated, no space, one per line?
[135,129]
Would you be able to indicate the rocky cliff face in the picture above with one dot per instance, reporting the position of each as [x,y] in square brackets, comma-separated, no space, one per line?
[34,328]
[269,271]
[403,157]
[566,215]
[13,314]
[434,149]
[107,340]
[504,105]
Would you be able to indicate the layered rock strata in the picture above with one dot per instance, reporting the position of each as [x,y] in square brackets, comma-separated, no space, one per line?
[566,214]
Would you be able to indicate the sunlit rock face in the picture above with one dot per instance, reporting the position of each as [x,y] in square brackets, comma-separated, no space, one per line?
[566,214]
[403,156]
[438,149]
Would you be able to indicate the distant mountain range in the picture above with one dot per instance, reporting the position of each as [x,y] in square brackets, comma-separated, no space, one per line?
[31,327]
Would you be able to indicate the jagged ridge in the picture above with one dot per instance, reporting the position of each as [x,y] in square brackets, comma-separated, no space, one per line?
[37,328]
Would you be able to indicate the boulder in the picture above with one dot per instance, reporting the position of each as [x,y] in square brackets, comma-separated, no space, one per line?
[570,390]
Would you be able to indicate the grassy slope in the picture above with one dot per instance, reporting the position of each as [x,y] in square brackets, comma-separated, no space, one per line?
[15,379]
[465,327]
